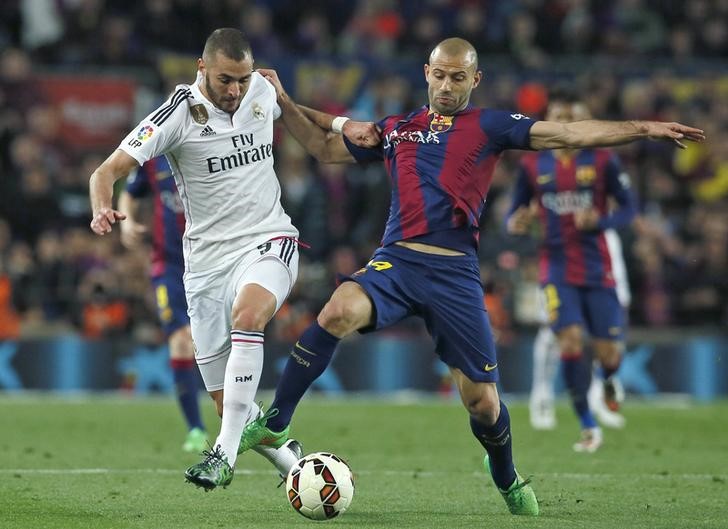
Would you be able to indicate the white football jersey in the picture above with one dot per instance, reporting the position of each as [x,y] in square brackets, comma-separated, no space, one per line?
[223,167]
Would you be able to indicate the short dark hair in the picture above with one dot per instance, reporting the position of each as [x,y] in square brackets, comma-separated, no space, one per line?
[563,93]
[230,41]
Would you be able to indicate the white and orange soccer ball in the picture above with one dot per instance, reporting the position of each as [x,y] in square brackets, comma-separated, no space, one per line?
[320,486]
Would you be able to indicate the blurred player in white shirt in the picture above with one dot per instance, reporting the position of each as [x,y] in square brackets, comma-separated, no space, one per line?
[240,248]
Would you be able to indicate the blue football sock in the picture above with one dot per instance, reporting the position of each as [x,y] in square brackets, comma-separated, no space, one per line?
[577,377]
[496,440]
[186,384]
[309,358]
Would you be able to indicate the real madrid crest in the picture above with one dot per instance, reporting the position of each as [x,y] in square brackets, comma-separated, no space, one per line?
[440,123]
[199,113]
[258,111]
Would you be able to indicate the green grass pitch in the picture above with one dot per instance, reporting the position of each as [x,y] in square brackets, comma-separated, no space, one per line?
[113,462]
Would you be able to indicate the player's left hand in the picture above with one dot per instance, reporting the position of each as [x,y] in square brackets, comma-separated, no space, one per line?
[586,219]
[362,133]
[104,219]
[677,132]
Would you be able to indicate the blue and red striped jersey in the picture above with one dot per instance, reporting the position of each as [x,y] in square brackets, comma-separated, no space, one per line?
[440,169]
[155,179]
[563,183]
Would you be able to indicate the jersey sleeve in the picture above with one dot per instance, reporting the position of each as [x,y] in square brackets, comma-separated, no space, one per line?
[619,187]
[507,130]
[366,155]
[137,183]
[522,192]
[160,131]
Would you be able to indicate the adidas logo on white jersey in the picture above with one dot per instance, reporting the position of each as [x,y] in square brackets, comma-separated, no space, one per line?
[207,131]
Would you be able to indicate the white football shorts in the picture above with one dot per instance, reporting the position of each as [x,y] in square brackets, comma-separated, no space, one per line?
[211,294]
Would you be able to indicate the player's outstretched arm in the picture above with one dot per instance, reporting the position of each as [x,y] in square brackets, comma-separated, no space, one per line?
[362,133]
[311,128]
[595,133]
[101,190]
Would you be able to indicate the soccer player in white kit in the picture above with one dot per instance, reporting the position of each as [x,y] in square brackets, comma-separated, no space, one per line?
[240,247]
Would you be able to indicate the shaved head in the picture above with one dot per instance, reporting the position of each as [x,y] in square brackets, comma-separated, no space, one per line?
[455,47]
[451,74]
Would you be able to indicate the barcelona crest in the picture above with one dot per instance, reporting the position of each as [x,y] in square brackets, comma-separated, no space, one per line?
[440,123]
[585,175]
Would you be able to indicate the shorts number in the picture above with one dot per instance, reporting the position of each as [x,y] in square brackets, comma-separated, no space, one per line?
[552,301]
[379,265]
[165,311]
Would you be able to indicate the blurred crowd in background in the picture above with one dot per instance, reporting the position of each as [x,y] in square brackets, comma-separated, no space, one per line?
[632,59]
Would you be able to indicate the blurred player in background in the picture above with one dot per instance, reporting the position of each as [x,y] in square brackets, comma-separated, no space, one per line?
[542,413]
[154,179]
[571,192]
[240,248]
[440,159]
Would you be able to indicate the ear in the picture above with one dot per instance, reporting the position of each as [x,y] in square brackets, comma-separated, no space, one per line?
[427,70]
[201,65]
[477,77]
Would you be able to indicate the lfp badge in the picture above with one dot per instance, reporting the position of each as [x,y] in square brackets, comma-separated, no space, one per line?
[145,133]
[440,123]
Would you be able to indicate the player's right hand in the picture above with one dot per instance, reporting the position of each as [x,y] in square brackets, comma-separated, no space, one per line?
[519,221]
[362,133]
[132,233]
[272,77]
[104,219]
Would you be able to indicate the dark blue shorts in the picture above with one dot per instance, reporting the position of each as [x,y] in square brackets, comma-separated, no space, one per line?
[443,290]
[595,308]
[171,301]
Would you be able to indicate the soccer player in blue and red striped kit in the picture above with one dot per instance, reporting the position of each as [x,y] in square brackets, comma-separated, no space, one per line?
[571,193]
[440,159]
[154,179]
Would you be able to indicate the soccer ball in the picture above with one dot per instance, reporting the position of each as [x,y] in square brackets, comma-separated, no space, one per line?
[320,486]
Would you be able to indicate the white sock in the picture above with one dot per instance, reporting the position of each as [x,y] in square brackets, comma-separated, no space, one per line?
[242,376]
[545,363]
[283,458]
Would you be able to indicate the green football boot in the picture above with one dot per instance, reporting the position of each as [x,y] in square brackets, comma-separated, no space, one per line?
[256,433]
[195,442]
[213,471]
[519,497]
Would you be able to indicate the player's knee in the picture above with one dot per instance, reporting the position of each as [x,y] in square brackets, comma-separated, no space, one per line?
[609,352]
[338,318]
[249,319]
[570,341]
[485,408]
[180,345]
